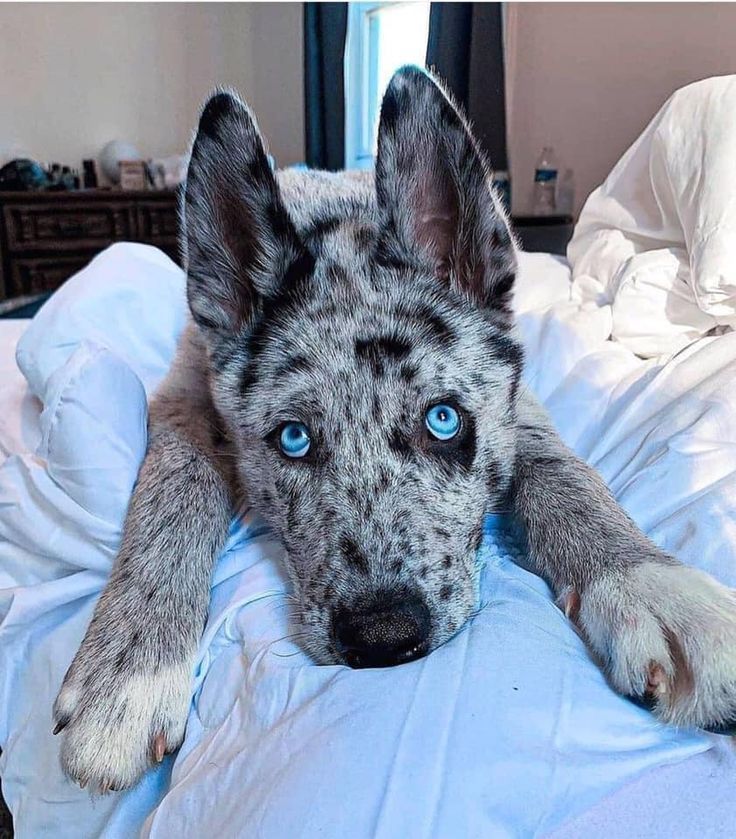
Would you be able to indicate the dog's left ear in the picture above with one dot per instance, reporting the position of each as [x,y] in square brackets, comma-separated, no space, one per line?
[434,193]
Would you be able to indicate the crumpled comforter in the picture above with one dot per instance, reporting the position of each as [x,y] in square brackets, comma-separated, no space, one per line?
[655,244]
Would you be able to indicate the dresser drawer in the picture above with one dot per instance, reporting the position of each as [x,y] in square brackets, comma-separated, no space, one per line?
[67,226]
[32,276]
[158,222]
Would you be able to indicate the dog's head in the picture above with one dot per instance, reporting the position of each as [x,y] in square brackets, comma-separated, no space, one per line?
[364,367]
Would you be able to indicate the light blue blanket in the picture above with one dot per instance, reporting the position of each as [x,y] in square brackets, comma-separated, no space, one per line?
[507,730]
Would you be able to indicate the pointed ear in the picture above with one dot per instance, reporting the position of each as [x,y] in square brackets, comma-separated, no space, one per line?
[434,193]
[240,241]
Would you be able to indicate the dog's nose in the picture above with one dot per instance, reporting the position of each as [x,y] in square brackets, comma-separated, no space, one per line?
[389,631]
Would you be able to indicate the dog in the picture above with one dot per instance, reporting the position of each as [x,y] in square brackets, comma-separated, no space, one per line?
[351,367]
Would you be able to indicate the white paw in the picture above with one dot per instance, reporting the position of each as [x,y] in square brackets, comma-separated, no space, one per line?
[666,633]
[116,725]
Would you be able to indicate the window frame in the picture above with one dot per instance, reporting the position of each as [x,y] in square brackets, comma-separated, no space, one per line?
[357,73]
[360,80]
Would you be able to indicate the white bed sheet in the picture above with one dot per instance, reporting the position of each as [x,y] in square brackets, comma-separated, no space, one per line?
[19,409]
[674,424]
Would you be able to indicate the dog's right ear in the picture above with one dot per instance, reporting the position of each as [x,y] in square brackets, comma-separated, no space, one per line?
[239,239]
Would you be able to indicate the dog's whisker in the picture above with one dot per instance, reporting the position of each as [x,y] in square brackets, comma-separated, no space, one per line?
[295,638]
[287,655]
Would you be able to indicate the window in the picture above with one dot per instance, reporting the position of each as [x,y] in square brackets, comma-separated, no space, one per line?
[381,38]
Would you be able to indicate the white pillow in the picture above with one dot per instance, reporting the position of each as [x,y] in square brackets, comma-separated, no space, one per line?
[131,298]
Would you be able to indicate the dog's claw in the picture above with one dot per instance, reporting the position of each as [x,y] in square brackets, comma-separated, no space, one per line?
[60,726]
[159,747]
[108,786]
[657,684]
[571,605]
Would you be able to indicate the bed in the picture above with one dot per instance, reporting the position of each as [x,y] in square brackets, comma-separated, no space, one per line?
[509,730]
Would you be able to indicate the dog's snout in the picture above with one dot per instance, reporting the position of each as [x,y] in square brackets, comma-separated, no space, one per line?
[390,630]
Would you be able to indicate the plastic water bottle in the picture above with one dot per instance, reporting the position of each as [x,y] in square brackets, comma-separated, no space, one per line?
[545,183]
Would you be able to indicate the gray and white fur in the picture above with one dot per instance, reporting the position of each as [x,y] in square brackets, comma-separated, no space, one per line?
[352,303]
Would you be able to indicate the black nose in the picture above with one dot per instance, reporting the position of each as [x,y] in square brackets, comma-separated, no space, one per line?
[392,629]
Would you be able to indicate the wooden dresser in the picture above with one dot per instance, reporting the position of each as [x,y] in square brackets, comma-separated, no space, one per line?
[45,237]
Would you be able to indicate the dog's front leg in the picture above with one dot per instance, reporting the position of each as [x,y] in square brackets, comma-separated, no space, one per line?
[125,698]
[662,631]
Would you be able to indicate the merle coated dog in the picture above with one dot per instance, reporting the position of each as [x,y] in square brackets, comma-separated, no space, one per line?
[352,368]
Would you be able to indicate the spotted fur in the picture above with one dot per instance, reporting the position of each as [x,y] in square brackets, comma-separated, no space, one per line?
[352,303]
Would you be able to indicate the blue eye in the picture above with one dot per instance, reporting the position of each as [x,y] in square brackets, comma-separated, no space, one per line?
[442,421]
[295,440]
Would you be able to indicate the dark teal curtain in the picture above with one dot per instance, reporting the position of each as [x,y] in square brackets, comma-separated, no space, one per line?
[325,28]
[465,48]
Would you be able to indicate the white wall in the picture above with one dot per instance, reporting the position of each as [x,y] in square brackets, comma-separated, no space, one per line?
[584,77]
[73,76]
[587,77]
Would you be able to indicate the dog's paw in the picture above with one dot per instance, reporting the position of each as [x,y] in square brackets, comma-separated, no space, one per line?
[666,636]
[115,724]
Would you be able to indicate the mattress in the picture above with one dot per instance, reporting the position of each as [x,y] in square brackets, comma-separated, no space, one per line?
[508,730]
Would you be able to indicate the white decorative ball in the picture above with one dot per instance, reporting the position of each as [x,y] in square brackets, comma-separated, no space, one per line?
[112,154]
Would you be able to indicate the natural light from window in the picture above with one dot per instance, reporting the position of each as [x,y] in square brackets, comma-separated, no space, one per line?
[381,38]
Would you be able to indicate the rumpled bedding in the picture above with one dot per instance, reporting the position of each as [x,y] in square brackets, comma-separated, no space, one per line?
[655,244]
[508,730]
